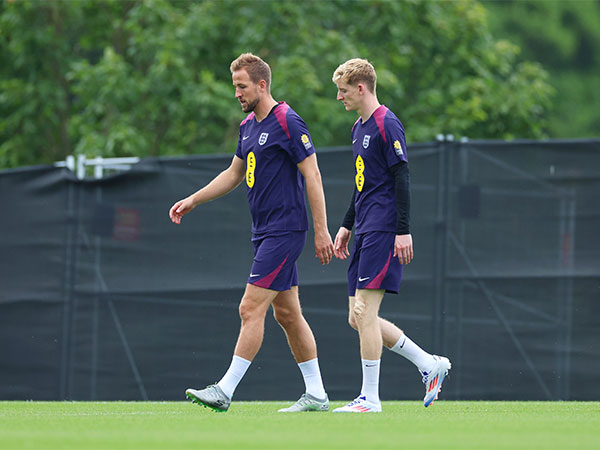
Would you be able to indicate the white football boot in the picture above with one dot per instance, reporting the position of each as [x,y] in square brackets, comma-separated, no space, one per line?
[434,378]
[308,403]
[359,405]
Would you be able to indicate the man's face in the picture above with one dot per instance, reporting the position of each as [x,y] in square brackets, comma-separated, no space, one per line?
[348,95]
[246,91]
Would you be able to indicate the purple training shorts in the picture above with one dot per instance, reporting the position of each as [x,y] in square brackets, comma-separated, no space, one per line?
[372,265]
[275,256]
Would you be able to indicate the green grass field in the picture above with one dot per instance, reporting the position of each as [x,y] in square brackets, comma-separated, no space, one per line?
[175,425]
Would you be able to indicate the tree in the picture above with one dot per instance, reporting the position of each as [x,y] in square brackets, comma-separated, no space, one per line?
[565,38]
[149,78]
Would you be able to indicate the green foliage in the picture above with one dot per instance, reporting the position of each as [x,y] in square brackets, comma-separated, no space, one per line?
[149,78]
[564,36]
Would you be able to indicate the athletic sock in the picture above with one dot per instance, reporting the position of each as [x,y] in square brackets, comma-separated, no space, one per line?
[415,354]
[312,378]
[234,375]
[370,384]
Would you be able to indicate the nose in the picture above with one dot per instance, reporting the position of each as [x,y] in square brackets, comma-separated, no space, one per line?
[340,96]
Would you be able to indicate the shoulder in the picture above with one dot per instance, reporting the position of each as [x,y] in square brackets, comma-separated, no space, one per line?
[391,120]
[288,119]
[388,123]
[392,127]
[247,119]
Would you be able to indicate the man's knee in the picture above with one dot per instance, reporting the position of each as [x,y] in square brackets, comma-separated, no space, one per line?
[250,308]
[286,316]
[361,314]
[358,311]
[352,320]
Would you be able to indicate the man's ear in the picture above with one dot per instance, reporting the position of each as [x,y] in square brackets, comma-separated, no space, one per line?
[361,88]
[262,84]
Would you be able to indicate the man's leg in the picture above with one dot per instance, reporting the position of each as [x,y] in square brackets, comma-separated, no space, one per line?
[253,307]
[366,315]
[394,339]
[433,368]
[390,333]
[364,310]
[288,313]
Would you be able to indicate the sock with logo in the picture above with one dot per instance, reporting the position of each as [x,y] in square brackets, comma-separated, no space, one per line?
[312,378]
[370,384]
[415,354]
[234,375]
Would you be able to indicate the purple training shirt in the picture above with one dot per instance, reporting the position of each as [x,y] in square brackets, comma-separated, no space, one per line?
[378,144]
[271,150]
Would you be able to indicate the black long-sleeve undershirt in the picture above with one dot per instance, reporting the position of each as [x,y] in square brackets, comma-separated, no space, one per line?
[402,192]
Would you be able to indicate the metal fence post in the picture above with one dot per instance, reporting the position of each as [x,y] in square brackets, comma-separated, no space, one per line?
[441,243]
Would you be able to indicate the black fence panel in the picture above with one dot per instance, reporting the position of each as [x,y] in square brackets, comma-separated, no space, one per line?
[103,298]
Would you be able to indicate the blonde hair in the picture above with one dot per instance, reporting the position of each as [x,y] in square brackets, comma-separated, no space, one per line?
[355,71]
[257,69]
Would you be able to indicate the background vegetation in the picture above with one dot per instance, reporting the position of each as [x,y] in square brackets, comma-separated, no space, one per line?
[151,77]
[564,36]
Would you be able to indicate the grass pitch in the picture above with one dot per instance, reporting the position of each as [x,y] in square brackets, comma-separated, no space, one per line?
[257,425]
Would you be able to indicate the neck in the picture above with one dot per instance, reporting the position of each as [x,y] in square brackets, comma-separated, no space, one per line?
[368,107]
[264,107]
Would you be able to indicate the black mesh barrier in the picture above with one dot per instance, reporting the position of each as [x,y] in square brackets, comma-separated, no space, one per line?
[103,298]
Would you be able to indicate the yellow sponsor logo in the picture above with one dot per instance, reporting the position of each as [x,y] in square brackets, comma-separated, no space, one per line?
[360,178]
[250,168]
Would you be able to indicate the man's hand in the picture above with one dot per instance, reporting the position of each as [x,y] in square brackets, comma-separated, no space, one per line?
[340,247]
[323,246]
[181,208]
[403,248]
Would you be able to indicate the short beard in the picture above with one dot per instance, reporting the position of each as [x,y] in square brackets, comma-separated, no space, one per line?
[250,106]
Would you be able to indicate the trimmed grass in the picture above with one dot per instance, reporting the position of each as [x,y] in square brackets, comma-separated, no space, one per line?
[179,425]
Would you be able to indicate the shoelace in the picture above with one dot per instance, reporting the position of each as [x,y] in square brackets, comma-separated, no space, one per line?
[302,401]
[354,402]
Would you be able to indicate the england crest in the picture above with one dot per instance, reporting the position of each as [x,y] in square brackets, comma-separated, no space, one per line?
[366,140]
[263,138]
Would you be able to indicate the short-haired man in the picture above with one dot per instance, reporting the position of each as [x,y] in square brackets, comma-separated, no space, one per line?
[275,156]
[380,211]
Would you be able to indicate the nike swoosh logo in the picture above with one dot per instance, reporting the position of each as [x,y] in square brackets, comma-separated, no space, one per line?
[363,279]
[252,275]
[245,137]
[354,141]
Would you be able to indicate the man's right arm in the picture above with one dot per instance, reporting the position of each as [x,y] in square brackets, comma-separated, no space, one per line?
[222,184]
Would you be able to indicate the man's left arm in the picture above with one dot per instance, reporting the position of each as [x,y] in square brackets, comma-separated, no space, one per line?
[316,197]
[403,247]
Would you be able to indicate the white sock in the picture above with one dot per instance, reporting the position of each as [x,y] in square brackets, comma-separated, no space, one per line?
[234,375]
[370,385]
[415,354]
[312,378]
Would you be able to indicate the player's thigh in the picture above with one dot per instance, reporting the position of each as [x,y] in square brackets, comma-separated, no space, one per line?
[256,300]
